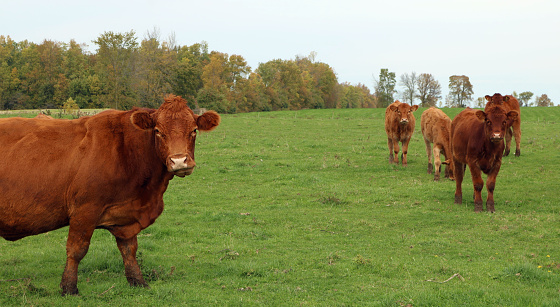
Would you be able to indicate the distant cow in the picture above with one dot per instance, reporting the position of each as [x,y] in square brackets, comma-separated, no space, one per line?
[43,116]
[477,141]
[436,129]
[106,171]
[399,125]
[511,104]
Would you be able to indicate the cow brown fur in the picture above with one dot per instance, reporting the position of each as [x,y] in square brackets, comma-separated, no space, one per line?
[436,129]
[514,129]
[399,126]
[106,171]
[477,141]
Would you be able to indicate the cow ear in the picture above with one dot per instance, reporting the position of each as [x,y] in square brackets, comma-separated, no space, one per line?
[480,114]
[393,108]
[512,115]
[142,120]
[506,98]
[414,107]
[488,98]
[208,121]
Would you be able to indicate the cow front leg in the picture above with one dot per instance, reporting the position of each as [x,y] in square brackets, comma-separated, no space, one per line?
[396,151]
[128,248]
[390,145]
[405,151]
[478,184]
[490,185]
[77,245]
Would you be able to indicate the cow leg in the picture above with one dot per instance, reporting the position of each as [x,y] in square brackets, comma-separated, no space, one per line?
[128,248]
[509,133]
[437,162]
[458,173]
[77,245]
[429,153]
[490,185]
[396,151]
[405,151]
[478,184]
[517,134]
[390,145]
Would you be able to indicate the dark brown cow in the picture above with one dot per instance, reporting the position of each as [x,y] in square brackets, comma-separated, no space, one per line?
[436,129]
[511,104]
[106,171]
[399,125]
[477,141]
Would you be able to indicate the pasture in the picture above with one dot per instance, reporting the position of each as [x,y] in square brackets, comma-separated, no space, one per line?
[302,208]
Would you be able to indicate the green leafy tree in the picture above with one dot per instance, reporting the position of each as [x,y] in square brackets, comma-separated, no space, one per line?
[385,88]
[460,91]
[524,98]
[116,58]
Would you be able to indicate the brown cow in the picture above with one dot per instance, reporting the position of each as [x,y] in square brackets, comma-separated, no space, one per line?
[477,141]
[399,125]
[511,104]
[43,116]
[106,171]
[436,128]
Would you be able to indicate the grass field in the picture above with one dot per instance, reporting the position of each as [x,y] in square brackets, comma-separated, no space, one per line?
[303,208]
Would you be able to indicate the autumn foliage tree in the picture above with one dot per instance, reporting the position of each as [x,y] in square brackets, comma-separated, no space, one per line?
[460,91]
[429,90]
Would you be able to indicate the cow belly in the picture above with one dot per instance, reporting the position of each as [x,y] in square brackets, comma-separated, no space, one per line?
[20,222]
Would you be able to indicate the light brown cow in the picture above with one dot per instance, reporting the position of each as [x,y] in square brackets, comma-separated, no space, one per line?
[511,104]
[477,141]
[436,129]
[106,171]
[399,125]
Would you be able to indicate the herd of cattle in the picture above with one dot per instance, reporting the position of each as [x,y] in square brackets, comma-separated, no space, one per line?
[110,170]
[474,138]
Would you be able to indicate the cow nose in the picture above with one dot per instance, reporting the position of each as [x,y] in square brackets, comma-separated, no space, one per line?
[404,120]
[496,137]
[180,162]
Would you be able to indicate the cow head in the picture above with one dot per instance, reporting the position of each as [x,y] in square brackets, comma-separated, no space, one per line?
[496,121]
[496,99]
[404,112]
[175,126]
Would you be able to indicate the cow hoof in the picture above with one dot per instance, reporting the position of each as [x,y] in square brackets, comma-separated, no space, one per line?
[436,178]
[458,199]
[478,207]
[517,153]
[66,292]
[506,153]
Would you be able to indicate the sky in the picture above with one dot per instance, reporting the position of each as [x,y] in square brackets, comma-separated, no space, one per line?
[501,45]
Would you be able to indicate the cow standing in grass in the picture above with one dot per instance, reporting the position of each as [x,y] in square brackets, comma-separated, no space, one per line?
[477,140]
[510,103]
[106,171]
[399,125]
[436,129]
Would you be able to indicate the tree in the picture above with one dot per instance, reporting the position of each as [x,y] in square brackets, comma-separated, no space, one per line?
[543,101]
[460,91]
[524,98]
[409,83]
[385,87]
[429,90]
[116,65]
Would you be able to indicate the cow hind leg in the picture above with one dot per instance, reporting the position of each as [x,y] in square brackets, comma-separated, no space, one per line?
[437,162]
[128,248]
[429,153]
[517,134]
[458,173]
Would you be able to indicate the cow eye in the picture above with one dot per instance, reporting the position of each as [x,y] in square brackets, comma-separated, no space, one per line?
[194,132]
[158,132]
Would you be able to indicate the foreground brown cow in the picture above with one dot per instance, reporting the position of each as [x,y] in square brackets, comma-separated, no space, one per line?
[436,129]
[106,171]
[511,104]
[399,125]
[477,141]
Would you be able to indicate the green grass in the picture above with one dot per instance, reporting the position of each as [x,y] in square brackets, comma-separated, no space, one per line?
[302,208]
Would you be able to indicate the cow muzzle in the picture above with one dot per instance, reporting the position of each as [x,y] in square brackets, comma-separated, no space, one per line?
[404,121]
[180,165]
[496,137]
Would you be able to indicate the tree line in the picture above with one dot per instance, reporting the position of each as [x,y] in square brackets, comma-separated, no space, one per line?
[126,72]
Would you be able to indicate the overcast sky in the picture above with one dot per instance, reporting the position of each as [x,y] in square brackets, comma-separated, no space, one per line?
[502,46]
